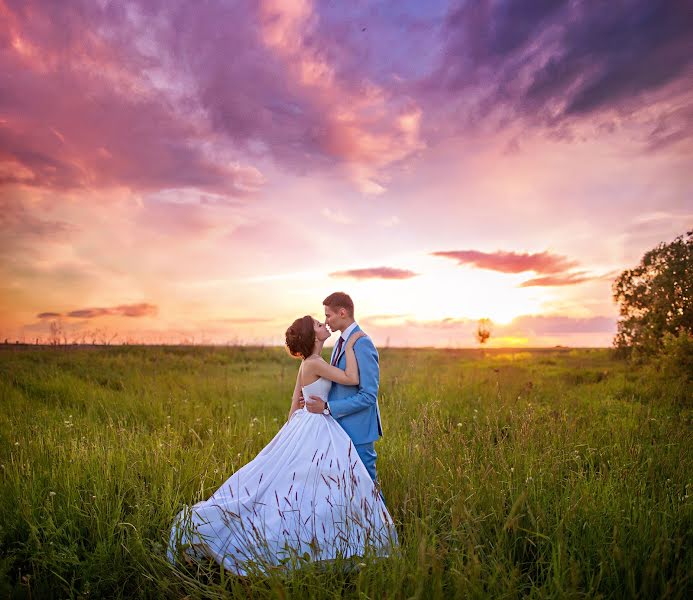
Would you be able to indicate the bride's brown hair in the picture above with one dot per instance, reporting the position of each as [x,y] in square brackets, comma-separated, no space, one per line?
[300,337]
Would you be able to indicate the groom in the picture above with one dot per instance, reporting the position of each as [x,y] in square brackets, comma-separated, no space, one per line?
[355,407]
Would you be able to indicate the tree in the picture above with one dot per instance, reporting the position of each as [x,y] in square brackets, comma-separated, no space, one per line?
[483,331]
[55,333]
[656,297]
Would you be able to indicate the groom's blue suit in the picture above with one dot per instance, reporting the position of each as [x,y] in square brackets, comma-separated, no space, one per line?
[355,407]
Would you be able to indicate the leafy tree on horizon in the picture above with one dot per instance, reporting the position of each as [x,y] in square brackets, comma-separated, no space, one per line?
[656,298]
[483,331]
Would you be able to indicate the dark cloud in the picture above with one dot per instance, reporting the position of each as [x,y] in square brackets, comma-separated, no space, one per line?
[136,310]
[510,262]
[375,273]
[48,315]
[556,61]
[89,313]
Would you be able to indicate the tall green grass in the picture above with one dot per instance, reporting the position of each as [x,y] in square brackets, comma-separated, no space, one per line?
[549,473]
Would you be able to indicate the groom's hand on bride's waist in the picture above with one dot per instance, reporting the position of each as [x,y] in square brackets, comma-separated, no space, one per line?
[315,404]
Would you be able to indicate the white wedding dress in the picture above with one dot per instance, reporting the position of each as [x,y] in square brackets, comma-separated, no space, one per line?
[306,495]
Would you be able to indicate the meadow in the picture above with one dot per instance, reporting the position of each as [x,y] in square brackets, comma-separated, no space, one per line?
[551,473]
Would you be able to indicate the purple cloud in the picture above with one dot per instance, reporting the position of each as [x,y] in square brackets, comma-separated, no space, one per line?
[159,95]
[148,97]
[556,62]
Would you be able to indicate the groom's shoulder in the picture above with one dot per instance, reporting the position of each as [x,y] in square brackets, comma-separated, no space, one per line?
[366,342]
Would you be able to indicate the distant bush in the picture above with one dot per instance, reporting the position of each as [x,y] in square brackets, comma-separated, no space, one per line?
[676,358]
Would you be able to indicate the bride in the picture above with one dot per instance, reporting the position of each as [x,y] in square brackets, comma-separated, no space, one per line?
[305,495]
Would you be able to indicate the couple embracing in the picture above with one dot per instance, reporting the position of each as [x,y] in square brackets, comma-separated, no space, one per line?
[312,491]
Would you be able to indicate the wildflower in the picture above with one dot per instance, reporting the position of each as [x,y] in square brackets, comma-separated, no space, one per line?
[16,443]
[51,494]
[459,424]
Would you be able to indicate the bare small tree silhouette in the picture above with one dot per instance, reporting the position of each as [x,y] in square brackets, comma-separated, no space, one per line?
[55,333]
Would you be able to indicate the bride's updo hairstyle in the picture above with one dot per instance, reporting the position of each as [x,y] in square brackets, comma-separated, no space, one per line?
[300,337]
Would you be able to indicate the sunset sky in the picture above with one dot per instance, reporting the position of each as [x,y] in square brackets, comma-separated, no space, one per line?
[209,171]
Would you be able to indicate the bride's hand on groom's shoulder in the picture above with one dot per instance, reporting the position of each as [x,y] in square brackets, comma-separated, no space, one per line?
[354,337]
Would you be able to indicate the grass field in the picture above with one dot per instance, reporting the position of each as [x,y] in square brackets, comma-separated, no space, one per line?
[547,473]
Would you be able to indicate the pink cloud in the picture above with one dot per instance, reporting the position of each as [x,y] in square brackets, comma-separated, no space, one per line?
[375,273]
[125,310]
[510,262]
[244,320]
[557,280]
[17,219]
[83,109]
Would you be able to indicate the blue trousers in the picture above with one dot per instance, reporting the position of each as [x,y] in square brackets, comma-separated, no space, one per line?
[367,455]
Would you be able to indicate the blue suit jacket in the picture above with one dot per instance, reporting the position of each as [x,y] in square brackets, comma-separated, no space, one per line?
[355,407]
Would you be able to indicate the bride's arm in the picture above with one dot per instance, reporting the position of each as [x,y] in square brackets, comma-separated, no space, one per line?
[350,375]
[296,396]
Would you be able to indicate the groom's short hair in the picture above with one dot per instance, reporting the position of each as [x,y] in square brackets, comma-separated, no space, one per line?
[340,300]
